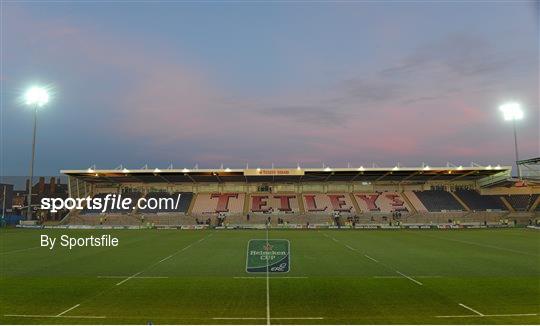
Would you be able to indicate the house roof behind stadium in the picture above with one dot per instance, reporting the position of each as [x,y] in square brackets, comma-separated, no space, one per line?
[375,174]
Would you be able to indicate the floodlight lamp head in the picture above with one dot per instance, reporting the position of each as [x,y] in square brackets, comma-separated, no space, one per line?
[37,96]
[511,111]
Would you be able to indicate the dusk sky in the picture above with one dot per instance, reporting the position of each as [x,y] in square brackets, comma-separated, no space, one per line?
[155,83]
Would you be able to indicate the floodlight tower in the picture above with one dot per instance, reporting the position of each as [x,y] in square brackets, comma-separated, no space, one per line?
[35,97]
[512,111]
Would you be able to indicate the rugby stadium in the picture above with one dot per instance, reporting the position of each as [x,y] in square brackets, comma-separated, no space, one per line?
[269,162]
[424,245]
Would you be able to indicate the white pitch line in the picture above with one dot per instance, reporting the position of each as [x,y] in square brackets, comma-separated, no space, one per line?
[63,312]
[162,260]
[350,247]
[416,276]
[371,258]
[376,261]
[274,277]
[297,318]
[52,316]
[133,277]
[18,250]
[471,309]
[410,278]
[478,316]
[485,245]
[262,318]
[129,278]
[509,315]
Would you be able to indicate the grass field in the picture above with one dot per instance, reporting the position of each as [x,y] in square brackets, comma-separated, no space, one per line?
[198,277]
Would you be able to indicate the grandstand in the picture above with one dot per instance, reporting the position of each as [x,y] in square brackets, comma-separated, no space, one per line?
[188,264]
[343,197]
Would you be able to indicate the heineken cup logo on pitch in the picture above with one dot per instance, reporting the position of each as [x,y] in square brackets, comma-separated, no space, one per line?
[272,255]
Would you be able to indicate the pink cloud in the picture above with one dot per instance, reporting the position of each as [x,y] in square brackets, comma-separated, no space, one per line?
[169,102]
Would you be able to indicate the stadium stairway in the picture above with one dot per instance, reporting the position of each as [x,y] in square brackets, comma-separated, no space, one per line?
[507,204]
[355,203]
[67,218]
[190,209]
[246,204]
[460,201]
[301,203]
[409,203]
[535,205]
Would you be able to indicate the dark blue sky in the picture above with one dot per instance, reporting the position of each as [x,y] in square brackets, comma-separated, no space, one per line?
[139,83]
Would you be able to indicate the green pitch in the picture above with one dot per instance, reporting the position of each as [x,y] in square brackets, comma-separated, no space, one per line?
[199,277]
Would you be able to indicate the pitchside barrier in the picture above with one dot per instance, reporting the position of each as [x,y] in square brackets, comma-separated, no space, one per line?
[262,227]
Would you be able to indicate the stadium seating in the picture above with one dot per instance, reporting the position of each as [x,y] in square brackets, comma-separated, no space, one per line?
[413,199]
[521,203]
[270,203]
[385,202]
[427,207]
[214,203]
[438,201]
[328,203]
[477,202]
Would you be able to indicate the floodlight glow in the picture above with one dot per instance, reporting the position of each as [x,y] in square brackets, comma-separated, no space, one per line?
[511,111]
[36,96]
[396,168]
[460,167]
[426,168]
[361,168]
[156,170]
[489,167]
[327,169]
[125,170]
[227,170]
[185,170]
[498,167]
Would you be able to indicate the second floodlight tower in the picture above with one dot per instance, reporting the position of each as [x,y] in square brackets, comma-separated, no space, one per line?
[35,97]
[512,111]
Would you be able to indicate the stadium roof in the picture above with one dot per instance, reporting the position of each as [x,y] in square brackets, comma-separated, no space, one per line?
[361,174]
